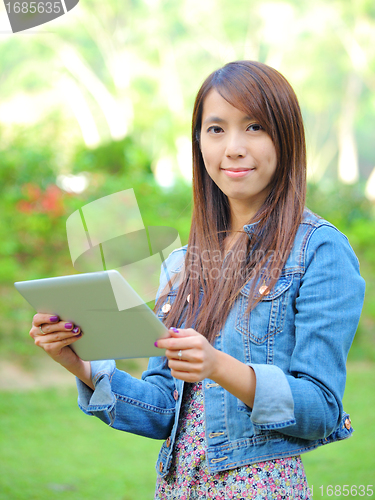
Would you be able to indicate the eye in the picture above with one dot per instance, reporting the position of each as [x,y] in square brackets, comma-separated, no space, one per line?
[255,127]
[214,129]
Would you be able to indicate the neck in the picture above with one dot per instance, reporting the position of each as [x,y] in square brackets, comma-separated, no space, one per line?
[239,216]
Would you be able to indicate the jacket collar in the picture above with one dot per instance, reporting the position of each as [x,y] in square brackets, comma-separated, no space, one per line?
[250,228]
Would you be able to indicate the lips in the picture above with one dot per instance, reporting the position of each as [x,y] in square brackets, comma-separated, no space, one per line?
[237,172]
[237,169]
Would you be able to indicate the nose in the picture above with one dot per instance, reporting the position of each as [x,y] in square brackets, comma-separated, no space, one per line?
[235,147]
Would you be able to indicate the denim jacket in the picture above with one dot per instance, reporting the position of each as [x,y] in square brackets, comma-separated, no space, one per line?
[296,339]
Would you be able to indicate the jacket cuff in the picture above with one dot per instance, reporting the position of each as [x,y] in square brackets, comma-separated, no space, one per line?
[273,403]
[101,401]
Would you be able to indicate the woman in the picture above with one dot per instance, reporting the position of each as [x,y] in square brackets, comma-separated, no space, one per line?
[262,305]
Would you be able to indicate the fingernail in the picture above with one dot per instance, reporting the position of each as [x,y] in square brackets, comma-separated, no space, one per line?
[75,329]
[156,343]
[174,329]
[68,326]
[53,319]
[79,335]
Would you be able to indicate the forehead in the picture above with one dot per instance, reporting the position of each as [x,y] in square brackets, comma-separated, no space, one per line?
[216,108]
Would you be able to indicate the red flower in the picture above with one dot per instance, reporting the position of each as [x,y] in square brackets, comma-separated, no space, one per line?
[24,206]
[51,201]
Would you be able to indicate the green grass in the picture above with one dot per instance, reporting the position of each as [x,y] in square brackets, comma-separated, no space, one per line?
[50,450]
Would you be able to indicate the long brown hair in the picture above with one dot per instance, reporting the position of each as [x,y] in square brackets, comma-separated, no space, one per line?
[263,93]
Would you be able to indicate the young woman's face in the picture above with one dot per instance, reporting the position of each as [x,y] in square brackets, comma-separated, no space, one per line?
[239,155]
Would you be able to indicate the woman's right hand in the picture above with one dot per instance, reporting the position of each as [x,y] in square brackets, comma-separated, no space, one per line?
[55,337]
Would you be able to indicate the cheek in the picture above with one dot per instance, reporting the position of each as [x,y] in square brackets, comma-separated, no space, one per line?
[207,155]
[272,161]
[269,156]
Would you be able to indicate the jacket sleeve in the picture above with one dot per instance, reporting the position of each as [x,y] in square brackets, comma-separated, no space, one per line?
[145,407]
[306,402]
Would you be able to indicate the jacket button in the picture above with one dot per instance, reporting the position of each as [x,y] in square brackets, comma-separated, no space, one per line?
[264,290]
[166,308]
[348,423]
[168,442]
[188,298]
[161,466]
[175,395]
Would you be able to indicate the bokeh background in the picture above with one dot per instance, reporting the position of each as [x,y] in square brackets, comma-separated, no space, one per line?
[100,100]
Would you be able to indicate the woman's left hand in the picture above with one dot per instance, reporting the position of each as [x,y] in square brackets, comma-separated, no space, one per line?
[197,359]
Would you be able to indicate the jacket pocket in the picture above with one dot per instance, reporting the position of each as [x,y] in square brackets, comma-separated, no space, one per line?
[267,318]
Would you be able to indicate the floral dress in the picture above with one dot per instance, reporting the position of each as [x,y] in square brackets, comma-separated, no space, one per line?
[189,477]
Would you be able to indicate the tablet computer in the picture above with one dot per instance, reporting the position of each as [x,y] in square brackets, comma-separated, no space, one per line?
[91,301]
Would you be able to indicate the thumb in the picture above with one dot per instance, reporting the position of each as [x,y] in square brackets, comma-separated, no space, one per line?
[182,332]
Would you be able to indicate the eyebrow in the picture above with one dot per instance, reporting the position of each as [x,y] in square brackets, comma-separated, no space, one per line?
[217,119]
[213,119]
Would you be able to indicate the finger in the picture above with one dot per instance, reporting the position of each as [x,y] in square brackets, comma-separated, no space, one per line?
[61,326]
[57,339]
[179,339]
[186,355]
[40,319]
[178,355]
[180,367]
[47,330]
[188,372]
[55,348]
[59,335]
[174,344]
